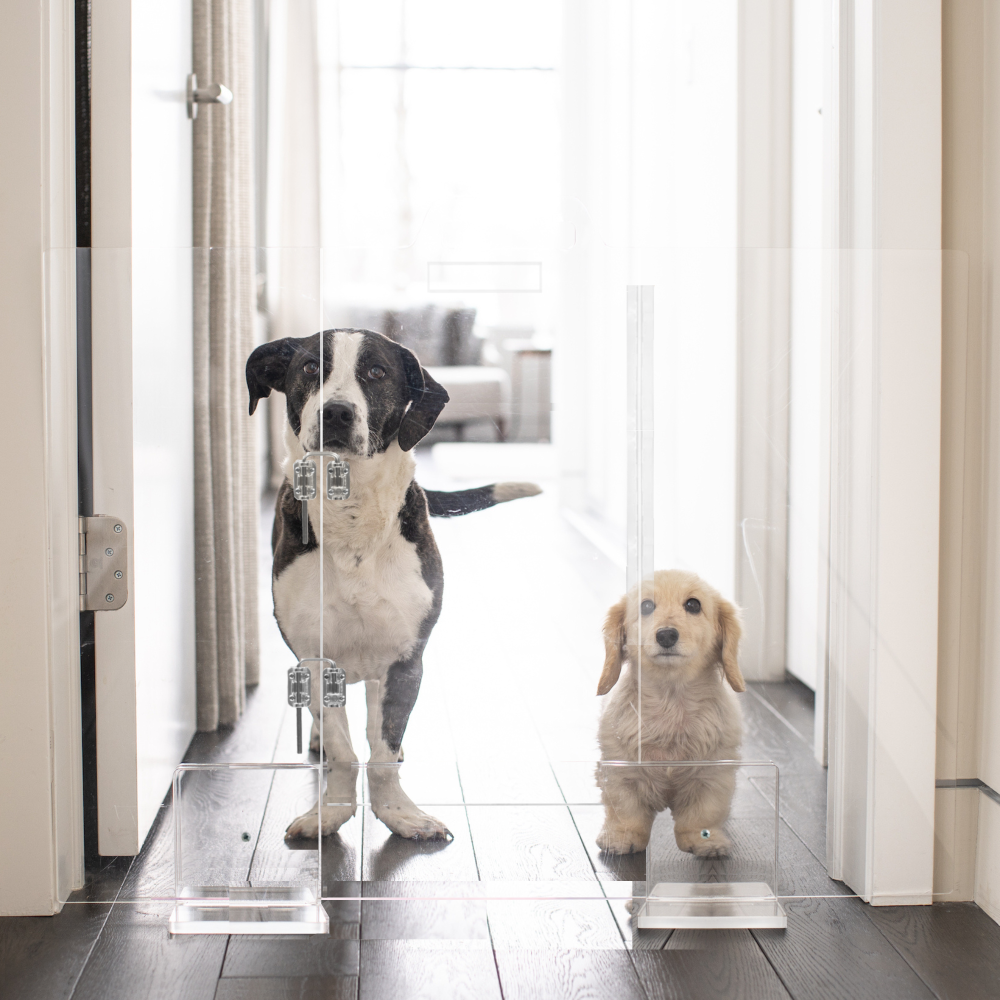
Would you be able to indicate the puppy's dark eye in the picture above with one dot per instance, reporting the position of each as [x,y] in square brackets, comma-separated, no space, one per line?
[692,605]
[310,367]
[647,607]
[376,371]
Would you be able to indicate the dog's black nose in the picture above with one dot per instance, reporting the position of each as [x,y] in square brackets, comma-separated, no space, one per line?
[338,414]
[666,637]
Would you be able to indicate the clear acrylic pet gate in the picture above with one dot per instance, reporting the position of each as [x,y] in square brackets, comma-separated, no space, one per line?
[501,743]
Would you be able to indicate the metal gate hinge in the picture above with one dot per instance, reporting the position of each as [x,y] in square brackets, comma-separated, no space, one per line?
[103,563]
[338,477]
[334,689]
[338,483]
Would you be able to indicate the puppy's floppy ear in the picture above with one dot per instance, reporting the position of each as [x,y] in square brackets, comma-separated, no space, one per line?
[267,367]
[427,400]
[614,642]
[730,630]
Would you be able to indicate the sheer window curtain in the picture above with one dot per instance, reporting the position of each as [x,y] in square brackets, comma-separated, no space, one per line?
[292,262]
[226,487]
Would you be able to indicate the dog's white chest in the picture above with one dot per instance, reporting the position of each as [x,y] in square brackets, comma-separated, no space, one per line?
[371,606]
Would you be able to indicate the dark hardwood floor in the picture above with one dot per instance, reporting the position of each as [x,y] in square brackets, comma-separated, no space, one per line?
[521,904]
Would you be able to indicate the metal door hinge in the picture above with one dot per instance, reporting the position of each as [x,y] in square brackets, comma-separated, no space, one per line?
[103,563]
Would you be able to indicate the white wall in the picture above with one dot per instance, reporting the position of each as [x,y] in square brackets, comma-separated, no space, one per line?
[886,391]
[649,185]
[143,439]
[807,532]
[41,827]
[989,706]
[961,618]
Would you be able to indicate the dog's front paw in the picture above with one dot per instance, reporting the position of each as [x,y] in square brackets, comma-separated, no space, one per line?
[704,843]
[618,840]
[413,824]
[328,820]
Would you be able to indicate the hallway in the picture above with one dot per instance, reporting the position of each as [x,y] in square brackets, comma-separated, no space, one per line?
[521,903]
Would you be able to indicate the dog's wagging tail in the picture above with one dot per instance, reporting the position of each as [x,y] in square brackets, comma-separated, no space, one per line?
[460,502]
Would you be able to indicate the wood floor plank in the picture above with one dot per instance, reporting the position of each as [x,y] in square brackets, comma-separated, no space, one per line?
[709,965]
[342,901]
[448,911]
[253,738]
[528,843]
[616,867]
[41,958]
[389,857]
[793,701]
[428,970]
[568,975]
[622,899]
[553,924]
[279,957]
[300,988]
[832,951]
[508,782]
[803,780]
[103,880]
[953,947]
[135,956]
[152,871]
[276,861]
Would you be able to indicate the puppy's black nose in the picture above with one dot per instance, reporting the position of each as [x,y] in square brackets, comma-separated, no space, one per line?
[338,414]
[666,637]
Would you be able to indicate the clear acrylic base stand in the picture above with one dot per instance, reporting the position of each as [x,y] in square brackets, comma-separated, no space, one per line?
[712,856]
[233,872]
[249,911]
[719,905]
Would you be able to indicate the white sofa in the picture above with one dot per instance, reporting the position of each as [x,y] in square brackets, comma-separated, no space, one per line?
[476,393]
[444,340]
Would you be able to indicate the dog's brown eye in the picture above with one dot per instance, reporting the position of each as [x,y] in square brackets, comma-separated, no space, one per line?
[692,605]
[310,367]
[647,607]
[376,371]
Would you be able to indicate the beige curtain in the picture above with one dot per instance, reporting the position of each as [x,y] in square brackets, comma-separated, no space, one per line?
[226,490]
[294,279]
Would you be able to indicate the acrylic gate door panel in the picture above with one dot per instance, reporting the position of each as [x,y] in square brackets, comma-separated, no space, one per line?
[143,466]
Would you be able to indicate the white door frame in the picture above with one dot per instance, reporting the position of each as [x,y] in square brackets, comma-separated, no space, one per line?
[763,332]
[885,447]
[141,239]
[41,823]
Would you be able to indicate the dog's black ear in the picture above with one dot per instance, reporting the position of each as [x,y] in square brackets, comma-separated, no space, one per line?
[267,367]
[730,630]
[614,646]
[427,400]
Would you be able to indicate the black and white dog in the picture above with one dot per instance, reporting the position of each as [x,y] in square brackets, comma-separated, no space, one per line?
[382,577]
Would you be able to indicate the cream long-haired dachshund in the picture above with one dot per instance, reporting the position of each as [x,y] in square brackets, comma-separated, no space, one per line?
[690,638]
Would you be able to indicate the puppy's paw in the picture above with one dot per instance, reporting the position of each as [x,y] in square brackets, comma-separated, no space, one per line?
[316,822]
[413,824]
[715,845]
[618,840]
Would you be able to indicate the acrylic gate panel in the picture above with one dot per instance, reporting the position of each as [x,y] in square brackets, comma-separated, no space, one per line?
[525,791]
[701,410]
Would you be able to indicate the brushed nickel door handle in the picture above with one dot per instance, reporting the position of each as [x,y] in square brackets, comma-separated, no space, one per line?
[214,93]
